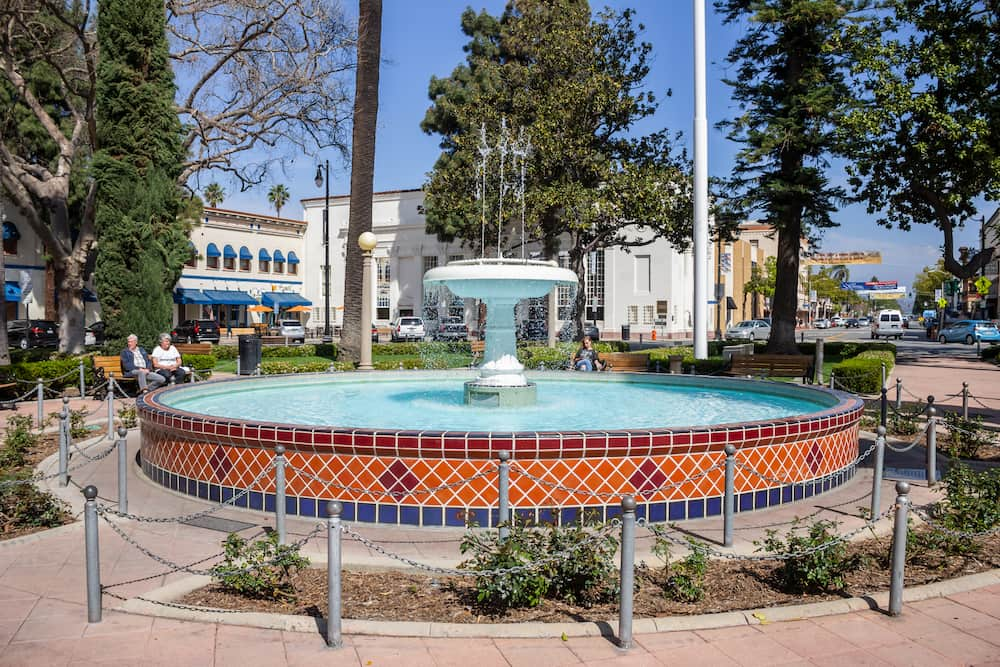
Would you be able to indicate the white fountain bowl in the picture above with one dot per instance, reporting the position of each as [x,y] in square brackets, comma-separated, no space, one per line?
[500,278]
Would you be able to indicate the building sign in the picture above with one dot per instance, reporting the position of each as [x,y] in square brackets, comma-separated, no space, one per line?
[871,286]
[833,258]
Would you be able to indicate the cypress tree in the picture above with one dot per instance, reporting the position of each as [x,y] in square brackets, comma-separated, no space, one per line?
[142,232]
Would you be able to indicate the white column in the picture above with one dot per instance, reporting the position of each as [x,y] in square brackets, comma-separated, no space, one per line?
[700,187]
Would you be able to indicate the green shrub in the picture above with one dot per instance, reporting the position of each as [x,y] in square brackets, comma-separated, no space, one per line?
[19,440]
[863,374]
[203,363]
[326,350]
[971,505]
[965,436]
[128,417]
[404,363]
[284,351]
[587,576]
[25,506]
[685,580]
[227,352]
[260,569]
[284,367]
[541,356]
[991,353]
[810,571]
[52,371]
[389,349]
[78,424]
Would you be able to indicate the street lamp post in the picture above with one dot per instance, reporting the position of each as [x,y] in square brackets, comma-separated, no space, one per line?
[323,178]
[367,243]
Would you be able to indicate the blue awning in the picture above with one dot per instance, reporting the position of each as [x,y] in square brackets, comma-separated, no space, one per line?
[229,297]
[245,253]
[278,257]
[12,292]
[188,295]
[278,300]
[212,251]
[263,256]
[292,257]
[228,252]
[10,232]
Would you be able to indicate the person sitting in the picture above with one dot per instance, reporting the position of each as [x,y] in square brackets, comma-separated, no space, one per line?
[586,358]
[136,364]
[167,361]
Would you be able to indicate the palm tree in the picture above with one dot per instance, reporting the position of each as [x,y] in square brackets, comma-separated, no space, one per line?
[278,196]
[362,168]
[213,194]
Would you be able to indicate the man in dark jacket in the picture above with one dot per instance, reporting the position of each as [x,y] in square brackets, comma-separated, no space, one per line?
[136,364]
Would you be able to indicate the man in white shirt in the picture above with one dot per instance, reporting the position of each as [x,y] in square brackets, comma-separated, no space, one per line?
[167,360]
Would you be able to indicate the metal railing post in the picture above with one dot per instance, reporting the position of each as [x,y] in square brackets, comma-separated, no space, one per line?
[111,406]
[884,407]
[879,470]
[818,379]
[899,394]
[64,436]
[333,635]
[729,500]
[237,364]
[503,490]
[41,402]
[279,492]
[627,575]
[965,400]
[931,446]
[899,548]
[833,380]
[83,381]
[883,375]
[93,555]
[122,448]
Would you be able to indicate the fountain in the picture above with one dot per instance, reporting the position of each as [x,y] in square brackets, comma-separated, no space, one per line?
[401,448]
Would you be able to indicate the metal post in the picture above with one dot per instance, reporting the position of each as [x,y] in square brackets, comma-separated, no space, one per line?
[41,402]
[111,407]
[503,487]
[883,375]
[333,636]
[899,394]
[367,242]
[93,555]
[965,400]
[899,548]
[879,470]
[729,501]
[931,446]
[237,364]
[122,470]
[279,492]
[627,576]
[819,362]
[64,436]
[833,379]
[83,381]
[884,406]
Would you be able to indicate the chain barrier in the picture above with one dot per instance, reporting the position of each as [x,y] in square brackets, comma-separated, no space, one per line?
[965,535]
[829,544]
[980,434]
[188,517]
[831,475]
[100,456]
[601,534]
[981,404]
[75,372]
[901,450]
[394,494]
[904,415]
[22,398]
[41,478]
[640,493]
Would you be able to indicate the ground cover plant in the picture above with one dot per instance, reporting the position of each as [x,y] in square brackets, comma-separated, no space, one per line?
[23,507]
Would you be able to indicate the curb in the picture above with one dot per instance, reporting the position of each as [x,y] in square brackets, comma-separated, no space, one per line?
[155,603]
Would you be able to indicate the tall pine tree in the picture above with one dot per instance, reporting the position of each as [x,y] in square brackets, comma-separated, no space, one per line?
[142,231]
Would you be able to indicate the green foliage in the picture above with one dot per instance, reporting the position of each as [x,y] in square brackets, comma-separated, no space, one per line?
[863,374]
[25,506]
[51,371]
[128,417]
[260,569]
[78,424]
[965,436]
[685,581]
[213,194]
[991,353]
[226,352]
[278,197]
[971,505]
[818,571]
[902,425]
[540,356]
[328,350]
[203,363]
[283,367]
[585,576]
[18,441]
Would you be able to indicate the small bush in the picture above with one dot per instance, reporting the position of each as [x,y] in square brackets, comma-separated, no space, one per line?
[52,372]
[19,440]
[817,571]
[965,436]
[971,505]
[260,569]
[863,373]
[902,425]
[203,363]
[227,352]
[127,416]
[991,353]
[284,351]
[685,580]
[284,367]
[78,424]
[24,506]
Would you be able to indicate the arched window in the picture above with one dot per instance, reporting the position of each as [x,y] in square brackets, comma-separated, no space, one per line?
[229,258]
[10,238]
[212,256]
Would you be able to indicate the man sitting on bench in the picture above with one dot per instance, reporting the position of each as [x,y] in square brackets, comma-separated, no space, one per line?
[136,364]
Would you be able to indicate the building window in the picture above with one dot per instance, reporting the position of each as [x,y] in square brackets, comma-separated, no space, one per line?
[662,311]
[564,295]
[263,266]
[279,267]
[633,314]
[212,263]
[595,285]
[293,269]
[192,260]
[455,258]
[648,312]
[10,236]
[244,265]
[229,263]
[382,288]
[430,262]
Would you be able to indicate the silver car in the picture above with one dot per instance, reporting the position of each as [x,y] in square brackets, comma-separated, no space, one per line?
[750,330]
[293,330]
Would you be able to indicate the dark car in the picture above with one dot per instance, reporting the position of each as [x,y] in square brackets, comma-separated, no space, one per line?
[196,331]
[851,323]
[32,333]
[96,332]
[374,334]
[453,332]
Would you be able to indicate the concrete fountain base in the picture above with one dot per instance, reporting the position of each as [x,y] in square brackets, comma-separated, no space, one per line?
[499,396]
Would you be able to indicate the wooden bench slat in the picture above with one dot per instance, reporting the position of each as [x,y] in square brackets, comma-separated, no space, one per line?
[772,365]
[193,348]
[625,361]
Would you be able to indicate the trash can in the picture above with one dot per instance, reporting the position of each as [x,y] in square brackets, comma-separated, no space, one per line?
[626,331]
[250,354]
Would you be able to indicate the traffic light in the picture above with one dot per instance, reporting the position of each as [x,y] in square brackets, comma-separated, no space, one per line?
[951,286]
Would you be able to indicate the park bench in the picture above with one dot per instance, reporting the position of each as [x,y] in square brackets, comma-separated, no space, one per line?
[193,348]
[627,362]
[478,347]
[104,368]
[772,365]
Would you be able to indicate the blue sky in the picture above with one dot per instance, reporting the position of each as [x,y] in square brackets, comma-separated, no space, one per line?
[421,39]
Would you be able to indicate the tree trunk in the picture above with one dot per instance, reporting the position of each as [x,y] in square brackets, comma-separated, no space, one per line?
[580,309]
[362,169]
[785,299]
[69,278]
[4,350]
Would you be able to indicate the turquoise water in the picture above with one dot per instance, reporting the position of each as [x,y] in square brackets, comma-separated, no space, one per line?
[399,401]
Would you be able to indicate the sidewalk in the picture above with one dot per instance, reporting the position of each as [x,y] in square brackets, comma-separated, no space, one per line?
[43,602]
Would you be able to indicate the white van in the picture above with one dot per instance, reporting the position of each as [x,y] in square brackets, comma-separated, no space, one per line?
[887,323]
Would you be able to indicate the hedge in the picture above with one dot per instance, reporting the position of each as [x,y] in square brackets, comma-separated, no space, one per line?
[863,374]
[284,367]
[203,363]
[49,370]
[991,353]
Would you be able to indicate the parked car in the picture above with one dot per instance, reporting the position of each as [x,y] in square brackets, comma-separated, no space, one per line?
[445,328]
[969,331]
[750,330]
[293,330]
[453,332]
[94,334]
[374,334]
[32,333]
[821,323]
[408,328]
[887,323]
[196,331]
[836,321]
[864,322]
[851,323]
